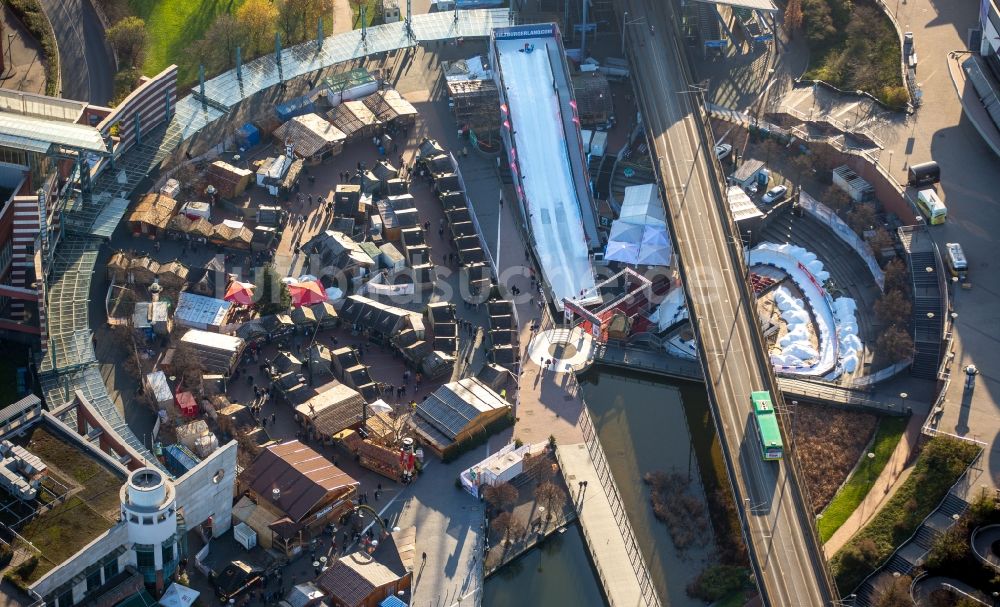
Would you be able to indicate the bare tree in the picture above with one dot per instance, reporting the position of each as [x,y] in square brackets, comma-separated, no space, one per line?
[862,217]
[893,592]
[836,199]
[896,343]
[502,496]
[896,276]
[551,496]
[793,16]
[507,526]
[893,308]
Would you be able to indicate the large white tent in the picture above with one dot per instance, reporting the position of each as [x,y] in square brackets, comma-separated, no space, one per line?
[639,235]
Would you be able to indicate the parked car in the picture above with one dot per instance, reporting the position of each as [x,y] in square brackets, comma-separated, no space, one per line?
[723,150]
[775,194]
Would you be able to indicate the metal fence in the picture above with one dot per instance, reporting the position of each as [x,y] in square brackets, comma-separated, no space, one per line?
[618,510]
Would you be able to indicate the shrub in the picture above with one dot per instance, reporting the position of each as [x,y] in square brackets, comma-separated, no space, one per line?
[895,97]
[33,17]
[893,308]
[950,547]
[718,581]
[942,462]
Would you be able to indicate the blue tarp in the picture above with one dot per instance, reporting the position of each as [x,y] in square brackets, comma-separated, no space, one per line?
[249,134]
[179,459]
[295,107]
[392,601]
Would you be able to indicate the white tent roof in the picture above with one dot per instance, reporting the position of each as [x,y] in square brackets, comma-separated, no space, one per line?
[642,205]
[178,596]
[639,236]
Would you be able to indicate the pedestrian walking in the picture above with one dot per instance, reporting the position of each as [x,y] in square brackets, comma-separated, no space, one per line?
[310,199]
[272,418]
[423,557]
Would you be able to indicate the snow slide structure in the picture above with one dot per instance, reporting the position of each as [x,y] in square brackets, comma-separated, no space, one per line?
[541,131]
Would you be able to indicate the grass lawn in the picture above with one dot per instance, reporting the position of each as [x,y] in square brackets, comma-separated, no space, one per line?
[370,14]
[100,485]
[173,26]
[62,532]
[890,429]
[941,463]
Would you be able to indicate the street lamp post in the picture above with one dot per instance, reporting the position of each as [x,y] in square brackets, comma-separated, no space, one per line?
[626,22]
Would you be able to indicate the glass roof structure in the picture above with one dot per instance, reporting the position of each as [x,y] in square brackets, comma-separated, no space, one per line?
[38,134]
[70,363]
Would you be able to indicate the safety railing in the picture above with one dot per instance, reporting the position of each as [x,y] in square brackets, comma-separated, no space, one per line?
[636,559]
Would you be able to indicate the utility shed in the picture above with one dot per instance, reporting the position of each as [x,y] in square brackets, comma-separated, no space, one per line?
[335,407]
[389,106]
[200,312]
[455,412]
[300,489]
[353,119]
[217,353]
[312,137]
[151,215]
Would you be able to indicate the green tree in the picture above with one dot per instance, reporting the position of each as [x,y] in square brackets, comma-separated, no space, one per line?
[291,19]
[256,19]
[313,11]
[949,547]
[217,48]
[273,297]
[818,21]
[719,581]
[129,39]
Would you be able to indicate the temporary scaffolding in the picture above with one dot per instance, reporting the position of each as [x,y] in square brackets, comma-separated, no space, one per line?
[593,98]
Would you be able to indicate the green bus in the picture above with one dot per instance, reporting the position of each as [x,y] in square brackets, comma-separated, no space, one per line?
[768,432]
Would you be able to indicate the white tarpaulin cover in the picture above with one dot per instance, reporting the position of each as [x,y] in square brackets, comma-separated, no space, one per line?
[639,236]
[740,204]
[179,596]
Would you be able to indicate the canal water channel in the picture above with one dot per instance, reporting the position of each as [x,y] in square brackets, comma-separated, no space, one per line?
[645,424]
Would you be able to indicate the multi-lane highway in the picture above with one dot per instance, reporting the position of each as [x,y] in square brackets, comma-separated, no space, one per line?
[785,554]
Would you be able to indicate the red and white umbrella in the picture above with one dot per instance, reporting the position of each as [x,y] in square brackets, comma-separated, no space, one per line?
[239,293]
[307,293]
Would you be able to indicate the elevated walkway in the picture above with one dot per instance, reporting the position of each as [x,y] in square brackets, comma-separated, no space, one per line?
[601,518]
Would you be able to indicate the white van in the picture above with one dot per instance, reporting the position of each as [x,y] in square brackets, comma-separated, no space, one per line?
[955,257]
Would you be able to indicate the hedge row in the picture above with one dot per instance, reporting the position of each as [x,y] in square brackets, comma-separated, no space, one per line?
[33,17]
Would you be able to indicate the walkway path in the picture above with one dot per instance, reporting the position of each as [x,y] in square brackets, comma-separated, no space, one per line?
[892,476]
[982,544]
[604,538]
[922,589]
[449,530]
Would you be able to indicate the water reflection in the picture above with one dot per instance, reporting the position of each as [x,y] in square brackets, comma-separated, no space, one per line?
[558,572]
[643,427]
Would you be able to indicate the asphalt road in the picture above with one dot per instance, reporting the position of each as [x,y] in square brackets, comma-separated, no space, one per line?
[84,58]
[788,563]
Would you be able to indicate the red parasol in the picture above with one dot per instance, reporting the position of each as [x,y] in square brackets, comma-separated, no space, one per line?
[307,293]
[240,293]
